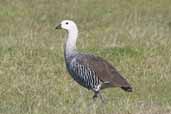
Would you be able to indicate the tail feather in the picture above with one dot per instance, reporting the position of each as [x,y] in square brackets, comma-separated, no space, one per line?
[128,89]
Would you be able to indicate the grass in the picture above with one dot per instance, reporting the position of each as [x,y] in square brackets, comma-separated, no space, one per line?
[132,35]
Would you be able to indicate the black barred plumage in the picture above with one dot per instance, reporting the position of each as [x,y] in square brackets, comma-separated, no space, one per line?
[83,75]
[93,73]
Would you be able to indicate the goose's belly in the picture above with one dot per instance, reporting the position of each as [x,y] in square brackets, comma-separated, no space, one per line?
[84,76]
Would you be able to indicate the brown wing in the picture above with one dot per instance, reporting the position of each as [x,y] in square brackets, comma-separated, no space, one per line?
[105,71]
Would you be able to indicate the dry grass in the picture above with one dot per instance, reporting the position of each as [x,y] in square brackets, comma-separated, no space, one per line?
[133,35]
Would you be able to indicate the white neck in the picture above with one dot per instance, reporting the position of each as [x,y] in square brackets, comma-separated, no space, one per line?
[70,44]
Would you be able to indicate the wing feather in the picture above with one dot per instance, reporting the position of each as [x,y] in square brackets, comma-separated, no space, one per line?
[104,70]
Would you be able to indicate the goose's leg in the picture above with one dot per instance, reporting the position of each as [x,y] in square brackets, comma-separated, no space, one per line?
[101,97]
[96,94]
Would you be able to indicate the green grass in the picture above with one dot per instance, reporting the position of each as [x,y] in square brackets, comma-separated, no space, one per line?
[132,35]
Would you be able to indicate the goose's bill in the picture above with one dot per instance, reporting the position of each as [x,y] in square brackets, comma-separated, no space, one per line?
[58,27]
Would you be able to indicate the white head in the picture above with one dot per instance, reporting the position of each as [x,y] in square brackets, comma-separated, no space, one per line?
[67,25]
[71,27]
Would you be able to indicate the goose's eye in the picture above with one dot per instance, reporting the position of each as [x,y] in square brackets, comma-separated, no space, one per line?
[67,23]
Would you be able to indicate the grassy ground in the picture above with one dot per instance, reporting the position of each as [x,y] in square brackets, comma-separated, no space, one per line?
[133,35]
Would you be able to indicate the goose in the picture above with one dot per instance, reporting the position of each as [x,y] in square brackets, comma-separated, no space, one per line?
[90,71]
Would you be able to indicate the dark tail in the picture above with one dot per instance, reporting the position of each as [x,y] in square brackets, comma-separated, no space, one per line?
[127,89]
